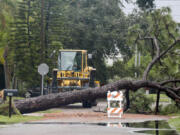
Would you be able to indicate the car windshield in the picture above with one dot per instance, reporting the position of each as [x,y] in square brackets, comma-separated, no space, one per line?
[69,61]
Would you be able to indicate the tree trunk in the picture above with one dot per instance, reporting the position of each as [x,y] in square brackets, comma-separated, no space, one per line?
[42,31]
[65,98]
[6,69]
[127,100]
[157,102]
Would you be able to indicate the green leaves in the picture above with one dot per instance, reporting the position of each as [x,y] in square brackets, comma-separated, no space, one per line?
[140,103]
[159,24]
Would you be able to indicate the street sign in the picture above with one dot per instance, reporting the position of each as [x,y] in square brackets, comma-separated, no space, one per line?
[43,69]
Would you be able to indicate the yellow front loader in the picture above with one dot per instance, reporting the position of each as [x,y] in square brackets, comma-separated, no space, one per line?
[73,73]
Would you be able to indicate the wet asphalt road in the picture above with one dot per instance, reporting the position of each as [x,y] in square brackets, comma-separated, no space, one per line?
[64,129]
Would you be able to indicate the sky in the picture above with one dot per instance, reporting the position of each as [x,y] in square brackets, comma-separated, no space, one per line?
[173,4]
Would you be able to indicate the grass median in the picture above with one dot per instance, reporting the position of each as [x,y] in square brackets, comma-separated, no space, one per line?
[175,123]
[17,119]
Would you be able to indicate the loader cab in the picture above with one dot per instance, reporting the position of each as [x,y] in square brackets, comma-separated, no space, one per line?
[73,73]
[75,60]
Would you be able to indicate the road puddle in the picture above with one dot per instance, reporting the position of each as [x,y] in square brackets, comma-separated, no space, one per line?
[159,132]
[148,127]
[153,128]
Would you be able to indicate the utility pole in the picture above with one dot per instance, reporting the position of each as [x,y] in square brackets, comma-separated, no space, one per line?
[42,40]
[137,60]
[42,36]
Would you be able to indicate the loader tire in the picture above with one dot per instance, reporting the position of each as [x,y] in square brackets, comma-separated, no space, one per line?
[86,104]
[94,103]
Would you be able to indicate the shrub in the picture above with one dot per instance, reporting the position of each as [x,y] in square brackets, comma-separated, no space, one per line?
[140,103]
[169,109]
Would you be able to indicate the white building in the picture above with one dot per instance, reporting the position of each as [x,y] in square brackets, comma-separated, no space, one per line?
[111,60]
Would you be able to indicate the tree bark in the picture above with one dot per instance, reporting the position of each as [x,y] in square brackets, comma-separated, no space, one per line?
[65,98]
[127,100]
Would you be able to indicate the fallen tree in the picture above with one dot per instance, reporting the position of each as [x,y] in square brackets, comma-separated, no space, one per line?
[160,27]
[61,99]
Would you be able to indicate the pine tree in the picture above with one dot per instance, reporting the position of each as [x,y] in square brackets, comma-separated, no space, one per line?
[25,40]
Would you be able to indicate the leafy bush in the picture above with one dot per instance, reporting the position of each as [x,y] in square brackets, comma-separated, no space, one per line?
[140,103]
[169,109]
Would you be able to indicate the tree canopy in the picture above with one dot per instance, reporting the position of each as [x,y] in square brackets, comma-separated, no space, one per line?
[97,26]
[145,4]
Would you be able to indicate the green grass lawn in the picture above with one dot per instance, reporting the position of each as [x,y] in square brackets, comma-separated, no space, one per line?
[17,119]
[175,122]
[163,97]
[16,116]
[17,98]
[14,98]
[21,118]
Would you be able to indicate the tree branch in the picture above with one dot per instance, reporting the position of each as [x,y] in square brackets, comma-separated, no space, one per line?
[177,89]
[153,61]
[169,81]
[158,56]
